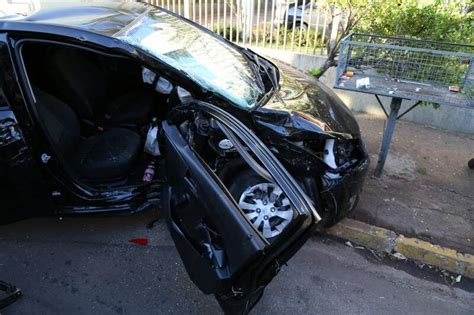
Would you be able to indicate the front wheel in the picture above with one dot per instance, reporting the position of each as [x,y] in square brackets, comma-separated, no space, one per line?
[264,203]
[269,210]
[471,164]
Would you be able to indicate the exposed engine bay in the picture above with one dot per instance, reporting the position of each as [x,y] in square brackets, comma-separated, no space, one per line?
[262,201]
[268,209]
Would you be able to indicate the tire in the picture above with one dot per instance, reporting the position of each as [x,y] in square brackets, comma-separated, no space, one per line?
[303,27]
[280,215]
[242,180]
[330,216]
[471,164]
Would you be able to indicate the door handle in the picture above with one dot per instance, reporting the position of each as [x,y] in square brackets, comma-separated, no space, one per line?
[190,185]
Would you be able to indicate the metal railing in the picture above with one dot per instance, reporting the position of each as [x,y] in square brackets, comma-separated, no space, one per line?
[302,25]
[437,72]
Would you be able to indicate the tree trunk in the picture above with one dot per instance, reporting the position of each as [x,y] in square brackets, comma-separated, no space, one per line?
[330,62]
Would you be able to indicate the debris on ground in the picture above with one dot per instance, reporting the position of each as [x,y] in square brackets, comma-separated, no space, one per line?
[422,171]
[375,254]
[450,278]
[139,241]
[348,243]
[399,256]
[458,279]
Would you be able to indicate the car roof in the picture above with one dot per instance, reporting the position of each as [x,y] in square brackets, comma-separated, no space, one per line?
[102,17]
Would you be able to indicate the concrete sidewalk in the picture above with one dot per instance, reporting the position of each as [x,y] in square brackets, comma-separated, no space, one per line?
[426,190]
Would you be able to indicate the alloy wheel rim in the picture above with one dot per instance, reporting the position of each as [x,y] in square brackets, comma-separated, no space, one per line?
[267,208]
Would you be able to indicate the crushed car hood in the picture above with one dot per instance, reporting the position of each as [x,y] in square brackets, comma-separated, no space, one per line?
[306,106]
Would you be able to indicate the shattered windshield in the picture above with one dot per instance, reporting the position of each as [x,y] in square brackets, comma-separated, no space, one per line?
[210,62]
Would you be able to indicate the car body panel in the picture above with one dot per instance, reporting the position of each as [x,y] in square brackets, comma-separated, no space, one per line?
[118,20]
[301,93]
[105,18]
[23,191]
[71,196]
[189,217]
[311,15]
[304,108]
[242,261]
[307,111]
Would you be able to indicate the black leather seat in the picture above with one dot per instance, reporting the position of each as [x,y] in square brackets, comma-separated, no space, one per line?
[110,154]
[83,85]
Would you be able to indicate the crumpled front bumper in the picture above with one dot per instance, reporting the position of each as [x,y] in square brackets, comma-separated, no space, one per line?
[342,197]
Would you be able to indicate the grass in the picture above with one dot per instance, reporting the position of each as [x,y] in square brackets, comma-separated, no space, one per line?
[422,171]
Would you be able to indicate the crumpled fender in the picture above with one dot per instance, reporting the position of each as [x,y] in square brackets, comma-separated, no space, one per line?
[304,107]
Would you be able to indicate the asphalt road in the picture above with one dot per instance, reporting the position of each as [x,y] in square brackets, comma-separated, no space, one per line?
[87,266]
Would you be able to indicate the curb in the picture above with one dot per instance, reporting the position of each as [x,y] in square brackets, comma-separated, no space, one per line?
[381,239]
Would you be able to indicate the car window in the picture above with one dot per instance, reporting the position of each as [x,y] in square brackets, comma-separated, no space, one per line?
[212,63]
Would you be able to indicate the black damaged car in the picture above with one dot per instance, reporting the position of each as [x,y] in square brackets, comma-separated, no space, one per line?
[123,107]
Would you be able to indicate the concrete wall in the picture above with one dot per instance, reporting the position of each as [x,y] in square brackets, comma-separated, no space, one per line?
[298,60]
[446,117]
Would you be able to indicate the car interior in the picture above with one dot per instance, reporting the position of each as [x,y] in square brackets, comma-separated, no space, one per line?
[97,112]
[95,109]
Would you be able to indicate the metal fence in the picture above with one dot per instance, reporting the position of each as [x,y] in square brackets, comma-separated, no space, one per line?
[423,70]
[295,25]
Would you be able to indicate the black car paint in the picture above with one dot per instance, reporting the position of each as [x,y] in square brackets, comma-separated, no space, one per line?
[262,263]
[11,294]
[303,93]
[272,121]
[94,34]
[185,213]
[69,196]
[305,109]
[23,190]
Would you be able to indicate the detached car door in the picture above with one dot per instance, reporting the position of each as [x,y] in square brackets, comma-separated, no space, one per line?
[221,250]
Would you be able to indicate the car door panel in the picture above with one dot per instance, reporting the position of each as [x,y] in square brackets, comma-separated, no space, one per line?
[204,259]
[23,192]
[221,250]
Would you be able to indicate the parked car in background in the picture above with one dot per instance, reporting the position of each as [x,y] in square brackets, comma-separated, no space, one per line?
[303,15]
[122,107]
